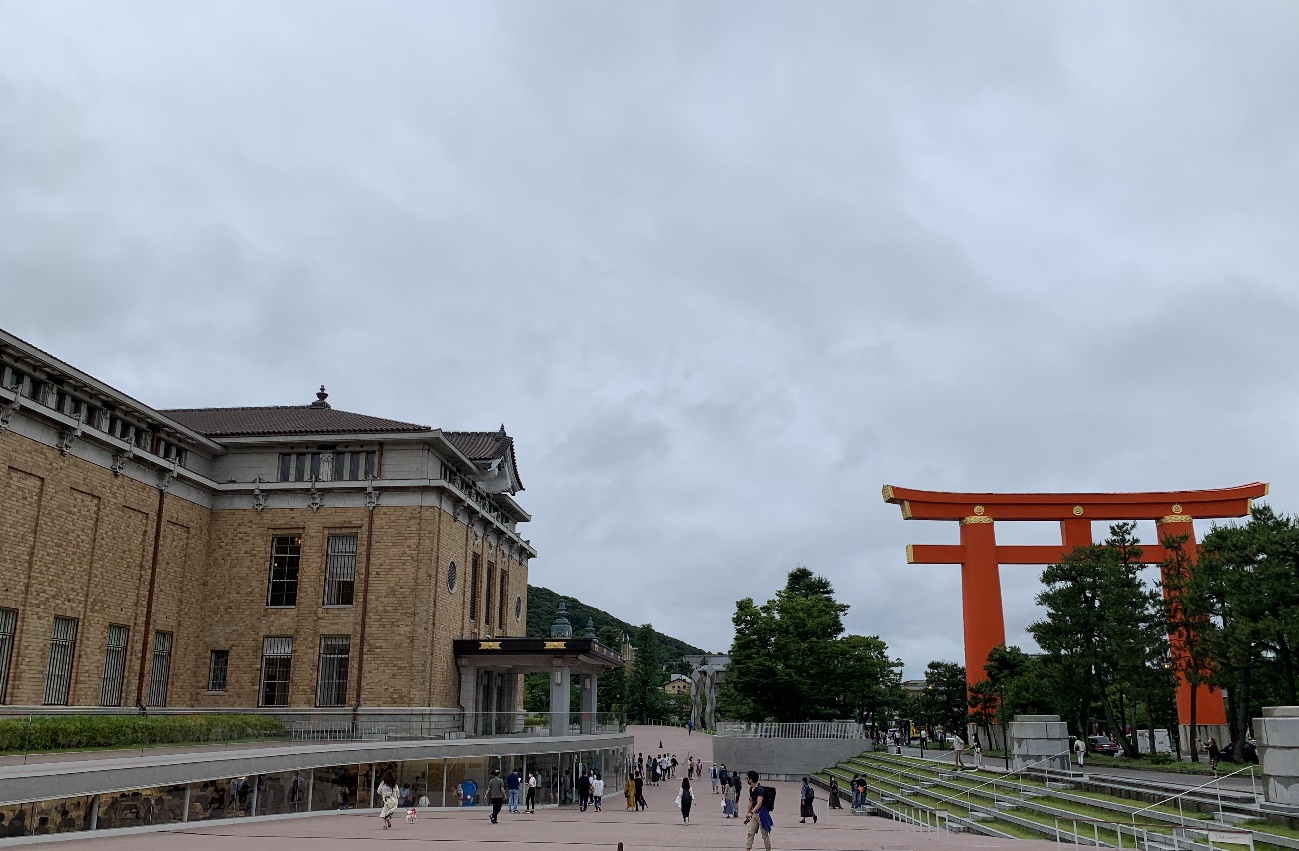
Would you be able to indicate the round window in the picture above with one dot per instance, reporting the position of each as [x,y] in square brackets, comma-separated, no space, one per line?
[518,608]
[451,577]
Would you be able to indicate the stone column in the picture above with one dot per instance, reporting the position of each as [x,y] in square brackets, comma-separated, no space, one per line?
[559,700]
[469,698]
[1278,753]
[590,684]
[1035,740]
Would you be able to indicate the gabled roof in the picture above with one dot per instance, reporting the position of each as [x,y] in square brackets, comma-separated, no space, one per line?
[484,446]
[283,420]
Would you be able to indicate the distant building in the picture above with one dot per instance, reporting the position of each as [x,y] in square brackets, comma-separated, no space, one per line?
[679,684]
[913,686]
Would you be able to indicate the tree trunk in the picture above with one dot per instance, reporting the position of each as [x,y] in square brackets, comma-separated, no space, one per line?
[1195,745]
[1287,665]
[1241,694]
[1109,711]
[1150,722]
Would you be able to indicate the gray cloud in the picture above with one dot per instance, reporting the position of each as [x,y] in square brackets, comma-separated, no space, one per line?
[723,269]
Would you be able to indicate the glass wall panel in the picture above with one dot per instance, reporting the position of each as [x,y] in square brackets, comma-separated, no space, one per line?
[336,788]
[285,792]
[467,781]
[163,805]
[434,787]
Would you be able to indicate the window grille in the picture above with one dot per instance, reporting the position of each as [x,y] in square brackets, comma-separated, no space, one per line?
[286,553]
[218,666]
[487,597]
[355,465]
[473,588]
[331,681]
[8,626]
[277,665]
[500,597]
[58,671]
[340,570]
[110,689]
[159,669]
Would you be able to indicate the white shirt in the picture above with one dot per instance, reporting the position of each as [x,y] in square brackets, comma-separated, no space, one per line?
[532,781]
[958,744]
[597,787]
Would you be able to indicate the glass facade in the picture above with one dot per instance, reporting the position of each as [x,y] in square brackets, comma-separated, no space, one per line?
[457,782]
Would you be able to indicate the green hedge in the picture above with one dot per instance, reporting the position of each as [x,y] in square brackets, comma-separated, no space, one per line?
[73,732]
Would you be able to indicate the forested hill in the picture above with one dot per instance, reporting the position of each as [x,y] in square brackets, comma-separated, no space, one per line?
[543,603]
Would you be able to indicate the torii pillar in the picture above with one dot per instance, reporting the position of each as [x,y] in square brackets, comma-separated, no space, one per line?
[981,558]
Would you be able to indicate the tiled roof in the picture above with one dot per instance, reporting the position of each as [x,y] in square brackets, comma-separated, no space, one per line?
[485,446]
[280,420]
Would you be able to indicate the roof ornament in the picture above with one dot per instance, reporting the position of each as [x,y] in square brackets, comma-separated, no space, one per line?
[320,399]
[561,628]
[590,629]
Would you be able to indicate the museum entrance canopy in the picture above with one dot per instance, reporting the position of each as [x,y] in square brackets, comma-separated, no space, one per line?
[489,670]
[980,556]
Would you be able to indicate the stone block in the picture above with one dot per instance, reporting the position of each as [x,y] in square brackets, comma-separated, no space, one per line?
[1278,753]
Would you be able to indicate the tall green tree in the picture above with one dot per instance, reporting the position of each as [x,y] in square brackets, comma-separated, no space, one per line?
[1102,618]
[944,700]
[643,698]
[791,662]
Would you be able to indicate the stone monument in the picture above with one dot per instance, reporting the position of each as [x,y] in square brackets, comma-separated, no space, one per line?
[706,678]
[1278,753]
[1040,741]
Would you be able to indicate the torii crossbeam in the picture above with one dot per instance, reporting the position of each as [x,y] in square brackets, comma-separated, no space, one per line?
[980,557]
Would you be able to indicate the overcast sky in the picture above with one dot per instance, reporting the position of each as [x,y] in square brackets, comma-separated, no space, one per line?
[722,269]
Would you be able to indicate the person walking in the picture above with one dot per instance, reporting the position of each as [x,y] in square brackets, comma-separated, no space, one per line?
[629,792]
[388,794]
[583,792]
[640,793]
[859,791]
[716,778]
[958,748]
[757,817]
[1214,754]
[512,784]
[1080,748]
[833,795]
[730,802]
[530,803]
[496,793]
[805,798]
[597,790]
[690,727]
[685,798]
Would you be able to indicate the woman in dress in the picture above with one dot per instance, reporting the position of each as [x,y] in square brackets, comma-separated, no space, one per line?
[732,796]
[629,792]
[388,794]
[687,797]
[835,804]
[805,797]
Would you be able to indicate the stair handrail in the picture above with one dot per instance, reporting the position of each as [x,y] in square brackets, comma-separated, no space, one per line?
[1181,818]
[993,782]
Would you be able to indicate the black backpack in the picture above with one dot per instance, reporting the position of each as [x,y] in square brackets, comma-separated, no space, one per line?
[769,798]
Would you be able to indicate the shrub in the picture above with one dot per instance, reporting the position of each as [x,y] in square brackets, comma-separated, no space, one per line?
[73,732]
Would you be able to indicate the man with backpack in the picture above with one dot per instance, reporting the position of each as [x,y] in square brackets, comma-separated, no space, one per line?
[758,817]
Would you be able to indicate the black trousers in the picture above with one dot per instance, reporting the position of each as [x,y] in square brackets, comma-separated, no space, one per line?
[497,803]
[531,799]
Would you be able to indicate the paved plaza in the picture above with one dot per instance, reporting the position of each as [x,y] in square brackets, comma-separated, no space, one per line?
[568,829]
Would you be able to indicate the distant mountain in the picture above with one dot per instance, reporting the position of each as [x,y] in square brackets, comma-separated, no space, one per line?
[543,603]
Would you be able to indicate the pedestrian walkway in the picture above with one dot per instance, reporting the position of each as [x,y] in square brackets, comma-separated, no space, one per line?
[549,829]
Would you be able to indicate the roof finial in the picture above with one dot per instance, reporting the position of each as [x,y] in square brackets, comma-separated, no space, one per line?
[320,399]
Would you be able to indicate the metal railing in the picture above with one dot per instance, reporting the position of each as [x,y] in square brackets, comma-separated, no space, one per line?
[795,730]
[1019,786]
[1181,816]
[61,732]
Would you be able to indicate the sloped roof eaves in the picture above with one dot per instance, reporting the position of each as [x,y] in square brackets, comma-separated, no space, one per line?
[287,420]
[487,446]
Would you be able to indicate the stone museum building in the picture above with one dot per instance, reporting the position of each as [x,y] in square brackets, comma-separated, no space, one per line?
[297,557]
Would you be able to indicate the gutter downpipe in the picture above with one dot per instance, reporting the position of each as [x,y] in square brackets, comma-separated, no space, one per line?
[365,599]
[148,605]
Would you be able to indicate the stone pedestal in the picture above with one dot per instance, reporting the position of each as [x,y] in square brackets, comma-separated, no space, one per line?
[1039,741]
[1278,753]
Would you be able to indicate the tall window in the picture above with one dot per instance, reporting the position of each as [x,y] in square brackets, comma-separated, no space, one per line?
[277,664]
[331,680]
[159,669]
[286,552]
[473,588]
[58,671]
[340,570]
[356,465]
[487,597]
[500,608]
[217,667]
[8,626]
[110,689]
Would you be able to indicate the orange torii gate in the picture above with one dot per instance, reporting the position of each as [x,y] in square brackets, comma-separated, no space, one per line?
[980,557]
